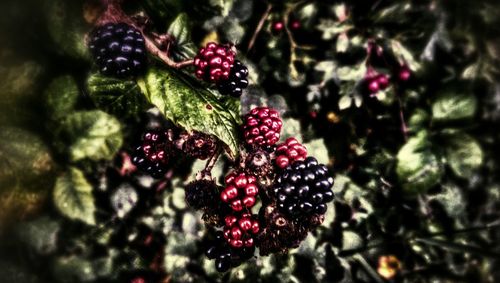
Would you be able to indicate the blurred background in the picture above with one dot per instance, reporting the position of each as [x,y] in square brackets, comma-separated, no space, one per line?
[416,173]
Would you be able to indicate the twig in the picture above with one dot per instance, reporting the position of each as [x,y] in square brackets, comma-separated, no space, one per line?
[404,128]
[211,163]
[259,26]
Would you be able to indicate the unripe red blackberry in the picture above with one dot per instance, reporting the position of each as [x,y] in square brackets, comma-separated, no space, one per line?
[236,82]
[277,27]
[373,86]
[240,231]
[288,152]
[295,24]
[200,145]
[262,126]
[152,154]
[303,189]
[118,49]
[241,191]
[213,63]
[383,81]
[202,194]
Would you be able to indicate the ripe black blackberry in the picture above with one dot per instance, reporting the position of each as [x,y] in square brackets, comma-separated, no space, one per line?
[152,154]
[225,256]
[118,49]
[303,189]
[236,82]
[202,194]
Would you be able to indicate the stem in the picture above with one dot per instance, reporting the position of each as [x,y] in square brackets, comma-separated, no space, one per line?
[404,128]
[259,26]
[211,163]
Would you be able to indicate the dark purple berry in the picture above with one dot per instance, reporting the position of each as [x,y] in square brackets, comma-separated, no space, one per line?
[236,82]
[118,50]
[152,154]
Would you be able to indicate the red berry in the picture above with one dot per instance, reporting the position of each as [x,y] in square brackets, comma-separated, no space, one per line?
[404,74]
[213,63]
[295,25]
[262,126]
[383,81]
[241,232]
[278,26]
[288,152]
[373,86]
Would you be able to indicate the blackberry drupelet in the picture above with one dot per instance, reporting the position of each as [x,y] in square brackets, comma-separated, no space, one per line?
[262,127]
[236,82]
[303,189]
[152,155]
[213,63]
[118,50]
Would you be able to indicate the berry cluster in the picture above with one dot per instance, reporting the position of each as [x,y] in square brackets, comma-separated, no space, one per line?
[240,231]
[288,152]
[240,191]
[262,127]
[376,83]
[294,191]
[225,256]
[213,63]
[303,189]
[118,49]
[216,64]
[152,154]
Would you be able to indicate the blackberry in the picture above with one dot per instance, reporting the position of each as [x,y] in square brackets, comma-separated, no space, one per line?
[303,189]
[262,127]
[152,155]
[213,63]
[240,231]
[118,50]
[202,194]
[225,256]
[288,152]
[236,82]
[240,192]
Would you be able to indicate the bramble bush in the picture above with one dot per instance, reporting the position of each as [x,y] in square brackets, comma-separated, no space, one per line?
[249,141]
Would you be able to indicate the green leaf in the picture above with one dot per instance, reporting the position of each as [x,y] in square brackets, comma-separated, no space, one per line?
[187,103]
[61,97]
[418,120]
[418,168]
[451,106]
[318,149]
[122,98]
[404,56]
[91,134]
[73,196]
[180,29]
[463,154]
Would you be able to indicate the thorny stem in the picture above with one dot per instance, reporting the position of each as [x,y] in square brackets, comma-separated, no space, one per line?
[211,163]
[114,13]
[259,26]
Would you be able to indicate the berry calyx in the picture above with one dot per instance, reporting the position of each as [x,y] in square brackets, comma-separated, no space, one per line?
[202,194]
[199,145]
[152,154]
[240,232]
[262,127]
[288,152]
[213,63]
[236,82]
[118,50]
[240,192]
[303,189]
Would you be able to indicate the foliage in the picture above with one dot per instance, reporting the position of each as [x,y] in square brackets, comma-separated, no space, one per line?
[415,169]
